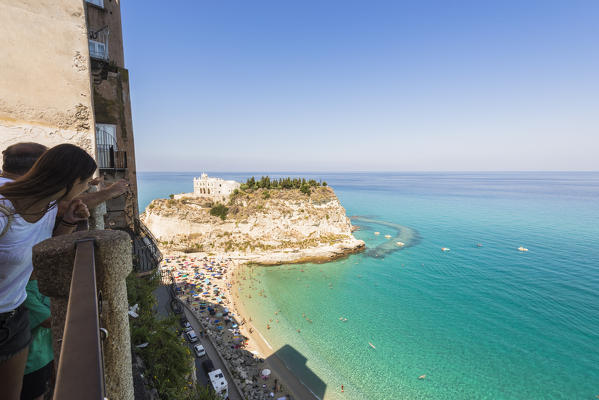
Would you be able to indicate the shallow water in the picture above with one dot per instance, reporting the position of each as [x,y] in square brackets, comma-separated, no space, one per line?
[480,322]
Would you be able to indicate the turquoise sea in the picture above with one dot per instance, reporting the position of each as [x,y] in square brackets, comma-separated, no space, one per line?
[481,322]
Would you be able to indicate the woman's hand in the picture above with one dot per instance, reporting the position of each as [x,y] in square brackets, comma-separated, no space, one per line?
[76,212]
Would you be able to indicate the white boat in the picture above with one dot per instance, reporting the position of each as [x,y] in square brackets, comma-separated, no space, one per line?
[377,233]
[388,236]
[522,248]
[401,244]
[445,249]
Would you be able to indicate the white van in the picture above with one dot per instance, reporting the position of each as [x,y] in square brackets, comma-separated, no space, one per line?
[219,383]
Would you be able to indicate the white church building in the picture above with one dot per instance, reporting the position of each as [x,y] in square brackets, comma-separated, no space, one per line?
[215,188]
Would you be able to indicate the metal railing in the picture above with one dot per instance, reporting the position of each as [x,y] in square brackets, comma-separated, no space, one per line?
[146,255]
[98,43]
[80,367]
[108,154]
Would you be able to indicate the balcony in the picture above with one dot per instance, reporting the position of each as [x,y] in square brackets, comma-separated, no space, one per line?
[146,255]
[97,3]
[108,156]
[98,44]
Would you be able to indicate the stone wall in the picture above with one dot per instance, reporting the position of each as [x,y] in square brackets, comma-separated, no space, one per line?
[45,92]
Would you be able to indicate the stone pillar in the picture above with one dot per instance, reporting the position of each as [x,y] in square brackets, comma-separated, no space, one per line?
[96,218]
[53,260]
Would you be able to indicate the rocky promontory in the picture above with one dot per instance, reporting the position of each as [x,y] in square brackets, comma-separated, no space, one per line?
[264,226]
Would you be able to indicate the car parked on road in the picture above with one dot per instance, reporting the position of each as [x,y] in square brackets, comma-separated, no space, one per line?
[191,336]
[207,366]
[199,350]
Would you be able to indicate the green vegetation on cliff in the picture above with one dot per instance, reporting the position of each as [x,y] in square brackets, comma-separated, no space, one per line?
[283,183]
[168,360]
[219,210]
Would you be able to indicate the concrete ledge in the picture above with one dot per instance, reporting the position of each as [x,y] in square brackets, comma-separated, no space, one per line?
[53,260]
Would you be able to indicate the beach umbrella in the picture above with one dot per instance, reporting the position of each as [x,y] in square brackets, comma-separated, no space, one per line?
[266,372]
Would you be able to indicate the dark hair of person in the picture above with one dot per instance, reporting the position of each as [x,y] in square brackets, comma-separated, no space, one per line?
[20,157]
[56,169]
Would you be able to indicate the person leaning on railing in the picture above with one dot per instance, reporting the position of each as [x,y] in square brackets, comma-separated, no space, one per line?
[28,207]
[20,157]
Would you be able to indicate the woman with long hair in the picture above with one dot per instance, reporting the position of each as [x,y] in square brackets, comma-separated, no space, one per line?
[27,216]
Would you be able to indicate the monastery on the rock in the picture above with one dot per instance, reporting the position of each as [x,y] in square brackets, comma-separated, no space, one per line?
[215,188]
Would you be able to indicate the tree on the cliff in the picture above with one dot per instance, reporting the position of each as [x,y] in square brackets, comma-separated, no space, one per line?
[219,210]
[305,189]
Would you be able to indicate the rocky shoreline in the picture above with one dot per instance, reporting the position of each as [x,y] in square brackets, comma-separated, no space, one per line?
[264,227]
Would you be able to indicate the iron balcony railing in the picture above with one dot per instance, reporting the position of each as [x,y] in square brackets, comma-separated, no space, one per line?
[108,154]
[80,367]
[98,44]
[146,255]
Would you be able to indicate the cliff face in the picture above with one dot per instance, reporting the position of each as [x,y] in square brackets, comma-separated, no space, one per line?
[266,226]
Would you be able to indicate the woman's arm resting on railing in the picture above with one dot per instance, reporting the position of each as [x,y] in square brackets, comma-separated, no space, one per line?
[76,211]
[93,199]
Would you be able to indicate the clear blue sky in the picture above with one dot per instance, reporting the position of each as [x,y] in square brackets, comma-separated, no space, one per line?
[364,85]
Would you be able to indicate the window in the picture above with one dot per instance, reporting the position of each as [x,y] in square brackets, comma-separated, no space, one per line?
[98,50]
[99,3]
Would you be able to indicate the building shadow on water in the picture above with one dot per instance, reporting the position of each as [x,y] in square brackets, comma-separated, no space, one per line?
[288,358]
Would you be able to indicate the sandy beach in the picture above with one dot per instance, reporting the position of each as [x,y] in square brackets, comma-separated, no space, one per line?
[210,287]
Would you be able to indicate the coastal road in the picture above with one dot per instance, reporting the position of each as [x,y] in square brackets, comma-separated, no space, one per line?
[213,355]
[164,309]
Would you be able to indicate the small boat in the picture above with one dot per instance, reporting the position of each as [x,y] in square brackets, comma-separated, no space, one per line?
[401,244]
[422,376]
[522,248]
[377,233]
[371,345]
[479,245]
[445,249]
[387,236]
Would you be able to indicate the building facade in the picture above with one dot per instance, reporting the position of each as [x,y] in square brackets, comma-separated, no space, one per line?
[63,80]
[215,188]
[112,106]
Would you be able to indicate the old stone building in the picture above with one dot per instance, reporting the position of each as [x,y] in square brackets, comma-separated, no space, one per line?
[112,107]
[215,188]
[63,80]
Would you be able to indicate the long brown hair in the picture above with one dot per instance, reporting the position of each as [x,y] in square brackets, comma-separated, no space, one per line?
[58,168]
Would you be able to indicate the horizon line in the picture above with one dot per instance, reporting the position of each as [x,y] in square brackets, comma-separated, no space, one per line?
[367,171]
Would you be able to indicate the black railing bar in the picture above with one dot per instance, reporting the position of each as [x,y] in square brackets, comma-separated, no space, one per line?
[80,367]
